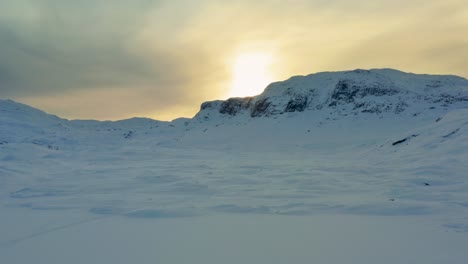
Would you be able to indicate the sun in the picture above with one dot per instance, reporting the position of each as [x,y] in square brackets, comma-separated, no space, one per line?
[251,74]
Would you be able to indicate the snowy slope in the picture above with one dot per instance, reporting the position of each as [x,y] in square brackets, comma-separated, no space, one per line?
[337,108]
[20,123]
[446,136]
[376,91]
[334,109]
[344,167]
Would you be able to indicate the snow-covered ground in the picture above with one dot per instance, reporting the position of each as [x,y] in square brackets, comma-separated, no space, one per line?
[367,175]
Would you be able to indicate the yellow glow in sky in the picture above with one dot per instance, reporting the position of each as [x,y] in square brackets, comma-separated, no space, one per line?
[163,59]
[251,74]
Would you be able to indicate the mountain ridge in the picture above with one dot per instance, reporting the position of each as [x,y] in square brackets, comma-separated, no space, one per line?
[328,108]
[345,89]
[426,83]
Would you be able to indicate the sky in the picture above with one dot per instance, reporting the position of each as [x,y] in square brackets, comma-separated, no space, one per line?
[115,59]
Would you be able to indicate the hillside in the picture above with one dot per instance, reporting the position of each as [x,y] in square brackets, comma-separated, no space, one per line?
[369,164]
[352,107]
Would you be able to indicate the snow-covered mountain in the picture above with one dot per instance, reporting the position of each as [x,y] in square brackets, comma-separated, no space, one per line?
[20,123]
[376,91]
[332,109]
[329,108]
[374,159]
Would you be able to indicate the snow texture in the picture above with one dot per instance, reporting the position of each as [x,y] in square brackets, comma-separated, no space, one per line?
[364,166]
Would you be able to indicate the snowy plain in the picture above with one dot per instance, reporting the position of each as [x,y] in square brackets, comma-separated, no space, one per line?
[310,186]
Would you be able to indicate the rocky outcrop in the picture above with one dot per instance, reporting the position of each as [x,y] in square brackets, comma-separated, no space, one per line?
[343,93]
[346,91]
[232,106]
[297,104]
[260,108]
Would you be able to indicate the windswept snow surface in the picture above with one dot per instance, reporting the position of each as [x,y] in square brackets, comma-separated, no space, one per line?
[370,168]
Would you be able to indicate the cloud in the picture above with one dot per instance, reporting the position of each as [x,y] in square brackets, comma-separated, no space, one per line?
[163,58]
[427,40]
[66,46]
[119,103]
[56,48]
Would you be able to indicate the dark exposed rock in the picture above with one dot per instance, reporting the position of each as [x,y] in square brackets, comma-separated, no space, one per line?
[208,105]
[378,91]
[400,107]
[447,99]
[297,104]
[451,133]
[375,109]
[347,91]
[434,84]
[260,108]
[128,135]
[352,93]
[233,106]
[53,147]
[403,140]
[361,71]
[399,141]
[344,91]
[359,105]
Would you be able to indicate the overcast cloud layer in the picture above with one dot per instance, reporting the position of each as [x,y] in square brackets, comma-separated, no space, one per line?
[117,59]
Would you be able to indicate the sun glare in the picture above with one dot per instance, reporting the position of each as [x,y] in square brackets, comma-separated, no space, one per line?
[251,74]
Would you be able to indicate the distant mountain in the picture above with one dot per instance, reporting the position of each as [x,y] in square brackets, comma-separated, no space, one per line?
[376,91]
[328,110]
[357,145]
[20,123]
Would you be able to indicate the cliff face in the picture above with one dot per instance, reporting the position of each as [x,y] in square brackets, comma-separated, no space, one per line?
[344,93]
[323,108]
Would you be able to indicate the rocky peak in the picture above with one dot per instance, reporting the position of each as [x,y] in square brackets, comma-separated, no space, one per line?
[350,92]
